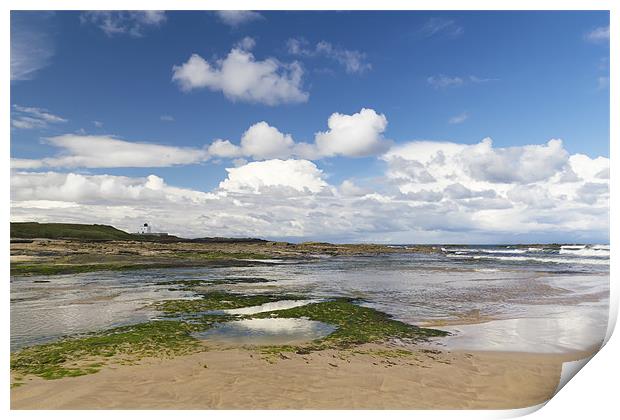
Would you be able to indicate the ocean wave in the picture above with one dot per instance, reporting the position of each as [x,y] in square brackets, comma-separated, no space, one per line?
[581,261]
[503,251]
[482,250]
[606,247]
[586,252]
[532,249]
[585,261]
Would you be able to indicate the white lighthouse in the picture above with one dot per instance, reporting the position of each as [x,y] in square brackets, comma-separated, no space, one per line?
[145,229]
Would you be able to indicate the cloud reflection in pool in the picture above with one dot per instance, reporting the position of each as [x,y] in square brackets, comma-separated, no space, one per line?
[267,331]
[269,306]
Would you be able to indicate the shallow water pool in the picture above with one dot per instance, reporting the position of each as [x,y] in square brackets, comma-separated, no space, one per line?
[267,331]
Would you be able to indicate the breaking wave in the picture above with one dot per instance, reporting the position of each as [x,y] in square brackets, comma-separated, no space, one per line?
[539,259]
[588,255]
[586,251]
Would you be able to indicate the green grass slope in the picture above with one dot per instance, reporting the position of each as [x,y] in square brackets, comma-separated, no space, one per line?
[67,231]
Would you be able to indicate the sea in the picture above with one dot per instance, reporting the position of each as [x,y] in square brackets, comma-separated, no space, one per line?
[529,298]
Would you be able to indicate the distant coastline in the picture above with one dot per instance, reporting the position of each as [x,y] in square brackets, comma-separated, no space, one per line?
[65,248]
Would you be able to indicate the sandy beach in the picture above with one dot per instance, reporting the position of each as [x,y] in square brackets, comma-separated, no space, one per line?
[369,377]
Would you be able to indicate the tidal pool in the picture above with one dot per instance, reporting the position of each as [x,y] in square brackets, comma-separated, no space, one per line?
[267,331]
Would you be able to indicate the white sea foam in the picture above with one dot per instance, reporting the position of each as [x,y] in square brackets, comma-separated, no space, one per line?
[586,252]
[586,261]
[503,251]
[600,247]
[484,250]
[573,247]
[549,260]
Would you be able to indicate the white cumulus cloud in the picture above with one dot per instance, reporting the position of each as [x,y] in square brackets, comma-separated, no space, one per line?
[262,141]
[532,188]
[299,175]
[350,189]
[360,134]
[480,163]
[224,149]
[356,135]
[514,164]
[240,77]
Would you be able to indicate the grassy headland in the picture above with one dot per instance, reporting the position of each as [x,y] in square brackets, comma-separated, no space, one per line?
[30,230]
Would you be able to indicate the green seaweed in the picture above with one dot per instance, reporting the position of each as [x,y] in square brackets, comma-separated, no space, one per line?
[355,324]
[67,357]
[217,300]
[55,269]
[240,280]
[192,284]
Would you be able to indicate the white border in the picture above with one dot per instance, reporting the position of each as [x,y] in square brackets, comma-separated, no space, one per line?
[592,394]
[309,5]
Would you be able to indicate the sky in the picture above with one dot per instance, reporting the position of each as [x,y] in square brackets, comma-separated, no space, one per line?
[394,127]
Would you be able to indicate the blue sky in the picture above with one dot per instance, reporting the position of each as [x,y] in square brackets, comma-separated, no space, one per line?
[520,78]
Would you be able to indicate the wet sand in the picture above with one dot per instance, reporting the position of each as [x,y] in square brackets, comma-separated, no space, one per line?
[365,378]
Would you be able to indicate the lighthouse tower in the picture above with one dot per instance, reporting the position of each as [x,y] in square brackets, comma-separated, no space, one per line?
[145,229]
